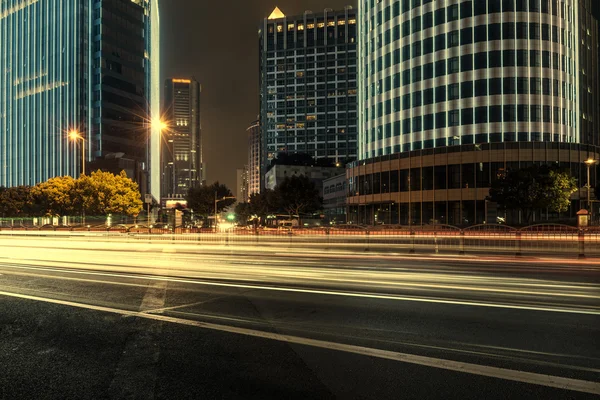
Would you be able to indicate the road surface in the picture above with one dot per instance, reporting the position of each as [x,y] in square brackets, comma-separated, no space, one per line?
[118,320]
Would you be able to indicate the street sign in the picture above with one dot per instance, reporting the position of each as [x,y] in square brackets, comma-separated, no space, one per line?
[148,199]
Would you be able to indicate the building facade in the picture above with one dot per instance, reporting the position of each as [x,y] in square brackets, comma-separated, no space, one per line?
[241,188]
[335,193]
[317,175]
[453,93]
[75,66]
[182,140]
[308,85]
[254,159]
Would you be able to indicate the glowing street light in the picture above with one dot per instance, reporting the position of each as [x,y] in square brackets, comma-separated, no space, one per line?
[589,162]
[75,136]
[159,124]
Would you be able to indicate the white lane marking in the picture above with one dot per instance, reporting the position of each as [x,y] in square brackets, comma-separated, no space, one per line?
[474,369]
[135,376]
[327,292]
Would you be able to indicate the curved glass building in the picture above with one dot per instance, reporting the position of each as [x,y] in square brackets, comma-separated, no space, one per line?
[485,85]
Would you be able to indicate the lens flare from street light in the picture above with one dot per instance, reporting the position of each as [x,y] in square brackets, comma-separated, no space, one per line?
[591,161]
[74,135]
[159,124]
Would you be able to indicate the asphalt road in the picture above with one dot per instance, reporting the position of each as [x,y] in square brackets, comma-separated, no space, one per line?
[84,320]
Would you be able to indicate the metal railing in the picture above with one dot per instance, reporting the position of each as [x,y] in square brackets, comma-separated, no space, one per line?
[540,240]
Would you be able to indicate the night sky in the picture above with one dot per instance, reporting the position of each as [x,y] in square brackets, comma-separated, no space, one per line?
[217,43]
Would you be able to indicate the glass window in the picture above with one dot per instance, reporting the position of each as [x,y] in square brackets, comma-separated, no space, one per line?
[417,124]
[417,99]
[522,30]
[440,68]
[535,60]
[453,65]
[440,16]
[428,122]
[440,120]
[494,32]
[453,118]
[534,30]
[522,86]
[535,86]
[466,9]
[479,8]
[509,58]
[416,74]
[508,30]
[428,71]
[428,20]
[466,116]
[428,96]
[495,59]
[534,5]
[523,113]
[546,32]
[453,39]
[535,113]
[453,12]
[546,87]
[406,77]
[416,24]
[440,42]
[406,101]
[466,35]
[495,114]
[427,45]
[440,94]
[466,62]
[481,115]
[481,87]
[521,5]
[453,91]
[466,89]
[546,59]
[510,113]
[521,58]
[508,5]
[480,33]
[406,28]
[416,49]
[510,85]
[495,86]
[481,60]
[494,6]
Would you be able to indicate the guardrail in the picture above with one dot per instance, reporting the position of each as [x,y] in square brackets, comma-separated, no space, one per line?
[541,239]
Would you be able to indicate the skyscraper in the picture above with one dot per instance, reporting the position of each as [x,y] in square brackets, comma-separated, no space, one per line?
[182,141]
[308,85]
[75,66]
[454,93]
[254,158]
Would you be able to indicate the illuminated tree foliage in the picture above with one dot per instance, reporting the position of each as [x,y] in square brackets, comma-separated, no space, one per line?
[533,188]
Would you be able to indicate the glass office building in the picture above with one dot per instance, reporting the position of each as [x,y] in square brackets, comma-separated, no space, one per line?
[182,144]
[454,92]
[74,65]
[308,85]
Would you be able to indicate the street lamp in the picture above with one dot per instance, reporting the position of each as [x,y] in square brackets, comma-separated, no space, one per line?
[589,162]
[75,136]
[217,201]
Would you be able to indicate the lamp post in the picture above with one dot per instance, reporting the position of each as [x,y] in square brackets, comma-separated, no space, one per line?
[75,136]
[217,201]
[589,162]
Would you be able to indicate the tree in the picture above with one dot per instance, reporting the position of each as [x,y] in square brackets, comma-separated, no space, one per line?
[55,197]
[202,199]
[533,188]
[298,195]
[264,203]
[16,202]
[103,193]
[243,212]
